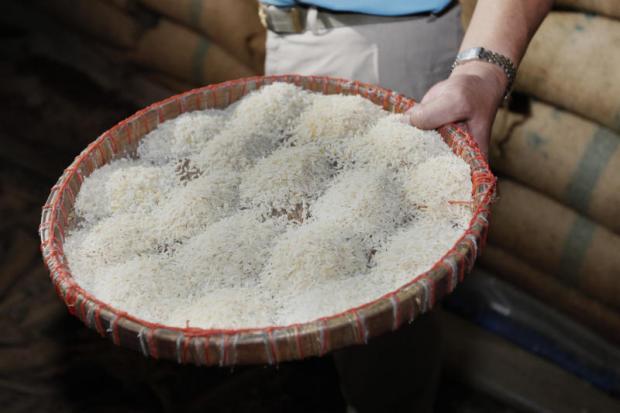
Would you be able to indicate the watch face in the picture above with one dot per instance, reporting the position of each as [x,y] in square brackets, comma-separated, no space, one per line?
[469,54]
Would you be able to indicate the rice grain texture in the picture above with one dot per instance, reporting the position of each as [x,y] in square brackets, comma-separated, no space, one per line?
[285,207]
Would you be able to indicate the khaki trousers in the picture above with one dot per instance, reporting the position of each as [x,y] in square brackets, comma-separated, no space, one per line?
[408,56]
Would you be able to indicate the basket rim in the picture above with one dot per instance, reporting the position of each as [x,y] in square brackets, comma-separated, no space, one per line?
[77,299]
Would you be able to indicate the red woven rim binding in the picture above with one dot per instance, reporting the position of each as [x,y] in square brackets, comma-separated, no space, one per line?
[270,344]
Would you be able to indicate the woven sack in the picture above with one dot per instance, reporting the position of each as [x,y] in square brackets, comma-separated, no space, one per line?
[259,345]
[571,159]
[573,62]
[557,240]
[609,8]
[127,5]
[547,288]
[171,83]
[98,19]
[180,52]
[232,24]
[467,10]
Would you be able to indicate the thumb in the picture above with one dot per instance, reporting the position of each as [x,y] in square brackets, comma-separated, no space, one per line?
[434,113]
[481,132]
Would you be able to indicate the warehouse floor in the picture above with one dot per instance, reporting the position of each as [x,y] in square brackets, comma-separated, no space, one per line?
[48,359]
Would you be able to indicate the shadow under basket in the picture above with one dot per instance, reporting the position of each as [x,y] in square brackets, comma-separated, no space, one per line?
[270,344]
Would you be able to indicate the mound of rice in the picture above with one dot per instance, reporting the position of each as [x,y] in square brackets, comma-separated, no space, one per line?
[285,207]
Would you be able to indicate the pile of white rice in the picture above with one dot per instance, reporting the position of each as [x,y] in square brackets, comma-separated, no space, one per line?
[286,207]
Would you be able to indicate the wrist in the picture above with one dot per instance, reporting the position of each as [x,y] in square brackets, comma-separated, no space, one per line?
[489,73]
[500,61]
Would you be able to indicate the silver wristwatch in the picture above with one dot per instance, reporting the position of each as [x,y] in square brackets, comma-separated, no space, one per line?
[480,53]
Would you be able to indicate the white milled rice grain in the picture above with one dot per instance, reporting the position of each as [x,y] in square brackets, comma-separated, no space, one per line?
[257,125]
[219,258]
[192,207]
[123,186]
[179,137]
[312,254]
[389,143]
[290,176]
[369,200]
[131,283]
[93,202]
[240,307]
[413,249]
[338,295]
[137,188]
[451,181]
[111,240]
[285,207]
[331,120]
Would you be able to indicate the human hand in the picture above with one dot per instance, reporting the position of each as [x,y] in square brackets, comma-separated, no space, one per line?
[471,94]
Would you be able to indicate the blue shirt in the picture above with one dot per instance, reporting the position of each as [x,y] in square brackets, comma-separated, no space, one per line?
[377,7]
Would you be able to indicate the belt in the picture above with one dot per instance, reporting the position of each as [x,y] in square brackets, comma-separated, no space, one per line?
[293,19]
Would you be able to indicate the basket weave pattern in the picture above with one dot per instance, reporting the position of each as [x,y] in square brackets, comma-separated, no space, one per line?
[257,345]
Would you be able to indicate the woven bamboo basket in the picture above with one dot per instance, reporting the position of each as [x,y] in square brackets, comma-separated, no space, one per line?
[259,345]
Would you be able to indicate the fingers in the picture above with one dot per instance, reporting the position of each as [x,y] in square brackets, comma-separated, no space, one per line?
[437,111]
[462,97]
[446,109]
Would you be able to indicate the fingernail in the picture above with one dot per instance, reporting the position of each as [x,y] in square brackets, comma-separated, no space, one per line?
[405,118]
[414,112]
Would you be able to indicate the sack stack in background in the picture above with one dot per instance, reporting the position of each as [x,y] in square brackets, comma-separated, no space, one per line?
[573,63]
[569,300]
[559,241]
[573,160]
[180,44]
[232,24]
[556,226]
[609,8]
[605,7]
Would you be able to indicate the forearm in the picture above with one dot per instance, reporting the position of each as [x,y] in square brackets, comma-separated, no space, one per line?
[475,88]
[505,26]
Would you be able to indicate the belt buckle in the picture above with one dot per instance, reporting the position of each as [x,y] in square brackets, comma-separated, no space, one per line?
[280,19]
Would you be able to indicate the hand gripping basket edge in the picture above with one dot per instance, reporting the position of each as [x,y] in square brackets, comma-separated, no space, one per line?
[256,345]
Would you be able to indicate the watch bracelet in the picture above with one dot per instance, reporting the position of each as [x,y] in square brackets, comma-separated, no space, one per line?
[497,59]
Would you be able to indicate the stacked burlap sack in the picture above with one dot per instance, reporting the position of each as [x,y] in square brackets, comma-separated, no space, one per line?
[180,43]
[556,225]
